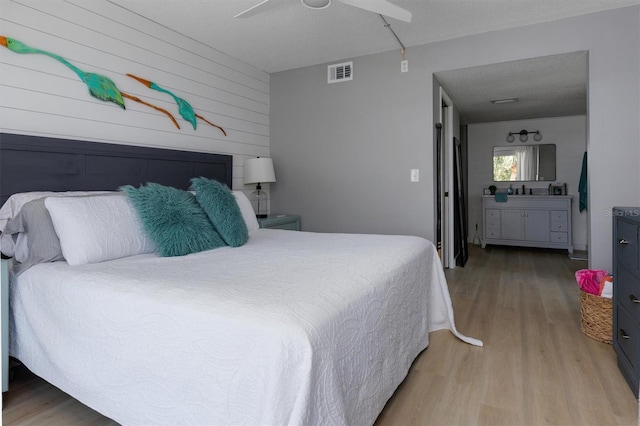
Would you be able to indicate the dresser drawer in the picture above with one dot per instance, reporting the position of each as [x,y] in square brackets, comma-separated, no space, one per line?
[626,240]
[627,288]
[627,336]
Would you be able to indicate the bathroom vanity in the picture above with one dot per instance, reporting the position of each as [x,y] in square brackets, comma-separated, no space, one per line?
[528,221]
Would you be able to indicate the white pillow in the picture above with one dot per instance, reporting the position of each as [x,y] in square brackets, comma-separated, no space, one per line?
[13,205]
[248,214]
[96,229]
[22,247]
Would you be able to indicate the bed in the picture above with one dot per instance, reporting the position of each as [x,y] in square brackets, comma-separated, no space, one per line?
[289,328]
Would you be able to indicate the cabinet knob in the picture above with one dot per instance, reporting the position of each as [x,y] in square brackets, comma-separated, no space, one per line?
[623,334]
[623,241]
[634,299]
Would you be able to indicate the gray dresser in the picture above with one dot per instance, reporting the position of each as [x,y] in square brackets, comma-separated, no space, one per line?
[528,221]
[626,292]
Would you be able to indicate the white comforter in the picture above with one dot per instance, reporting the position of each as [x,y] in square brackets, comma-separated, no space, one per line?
[292,328]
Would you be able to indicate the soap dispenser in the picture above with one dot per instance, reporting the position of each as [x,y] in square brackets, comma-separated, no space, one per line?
[510,190]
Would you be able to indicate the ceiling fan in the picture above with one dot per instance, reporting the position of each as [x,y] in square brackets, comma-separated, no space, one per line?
[382,7]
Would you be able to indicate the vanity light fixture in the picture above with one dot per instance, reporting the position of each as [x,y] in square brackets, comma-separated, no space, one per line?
[524,135]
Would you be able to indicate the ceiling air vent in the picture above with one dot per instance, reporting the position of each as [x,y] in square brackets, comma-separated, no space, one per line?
[340,72]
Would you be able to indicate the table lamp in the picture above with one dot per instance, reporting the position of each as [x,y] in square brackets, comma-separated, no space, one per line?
[259,170]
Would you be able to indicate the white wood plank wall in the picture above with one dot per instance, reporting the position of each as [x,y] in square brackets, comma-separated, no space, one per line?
[40,96]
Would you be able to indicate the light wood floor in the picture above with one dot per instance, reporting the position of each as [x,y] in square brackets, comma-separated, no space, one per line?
[536,367]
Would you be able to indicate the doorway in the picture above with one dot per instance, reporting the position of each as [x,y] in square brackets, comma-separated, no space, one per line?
[547,93]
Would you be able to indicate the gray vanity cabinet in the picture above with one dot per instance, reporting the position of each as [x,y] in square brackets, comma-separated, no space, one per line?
[525,225]
[528,221]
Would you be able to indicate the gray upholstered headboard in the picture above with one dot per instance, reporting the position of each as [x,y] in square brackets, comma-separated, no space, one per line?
[32,163]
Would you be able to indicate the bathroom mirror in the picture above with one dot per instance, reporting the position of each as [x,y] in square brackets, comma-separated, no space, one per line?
[524,163]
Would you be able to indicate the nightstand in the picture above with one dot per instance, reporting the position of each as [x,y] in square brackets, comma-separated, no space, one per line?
[280,221]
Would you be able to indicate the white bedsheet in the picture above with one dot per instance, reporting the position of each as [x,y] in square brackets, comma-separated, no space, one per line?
[292,328]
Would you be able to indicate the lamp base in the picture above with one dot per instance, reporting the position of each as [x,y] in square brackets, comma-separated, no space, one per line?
[259,200]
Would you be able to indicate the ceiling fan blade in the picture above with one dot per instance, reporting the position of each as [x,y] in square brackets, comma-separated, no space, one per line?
[252,10]
[382,7]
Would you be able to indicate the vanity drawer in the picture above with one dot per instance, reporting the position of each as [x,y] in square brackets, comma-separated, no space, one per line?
[559,237]
[492,214]
[492,224]
[627,336]
[492,233]
[558,226]
[559,215]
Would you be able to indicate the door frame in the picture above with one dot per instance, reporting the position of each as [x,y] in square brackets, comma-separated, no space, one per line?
[446,194]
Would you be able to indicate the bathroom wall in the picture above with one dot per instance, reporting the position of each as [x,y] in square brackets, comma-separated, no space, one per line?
[569,136]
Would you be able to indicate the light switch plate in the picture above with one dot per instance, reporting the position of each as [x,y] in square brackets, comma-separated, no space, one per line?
[415,175]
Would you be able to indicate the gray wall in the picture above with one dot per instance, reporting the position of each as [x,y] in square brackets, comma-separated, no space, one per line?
[343,151]
[569,136]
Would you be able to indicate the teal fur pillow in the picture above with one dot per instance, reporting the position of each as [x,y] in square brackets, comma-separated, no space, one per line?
[173,219]
[221,206]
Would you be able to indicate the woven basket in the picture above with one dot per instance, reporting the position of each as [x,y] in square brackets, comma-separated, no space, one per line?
[596,317]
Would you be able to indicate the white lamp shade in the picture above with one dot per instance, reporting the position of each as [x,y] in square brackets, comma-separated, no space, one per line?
[258,170]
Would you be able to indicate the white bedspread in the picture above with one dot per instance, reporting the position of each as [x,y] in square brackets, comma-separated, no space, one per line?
[292,328]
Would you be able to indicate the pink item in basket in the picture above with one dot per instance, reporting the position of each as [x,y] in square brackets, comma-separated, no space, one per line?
[589,280]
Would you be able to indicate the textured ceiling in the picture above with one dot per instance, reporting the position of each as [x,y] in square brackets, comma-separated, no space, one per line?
[287,35]
[549,86]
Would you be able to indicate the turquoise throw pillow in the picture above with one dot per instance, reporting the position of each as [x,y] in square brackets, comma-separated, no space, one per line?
[221,206]
[173,219]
